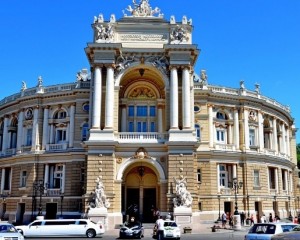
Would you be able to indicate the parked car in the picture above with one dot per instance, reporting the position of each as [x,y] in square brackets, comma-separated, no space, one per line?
[292,235]
[8,231]
[264,231]
[171,230]
[62,227]
[131,229]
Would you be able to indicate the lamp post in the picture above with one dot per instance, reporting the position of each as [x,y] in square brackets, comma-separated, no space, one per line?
[219,199]
[61,202]
[290,210]
[39,187]
[236,218]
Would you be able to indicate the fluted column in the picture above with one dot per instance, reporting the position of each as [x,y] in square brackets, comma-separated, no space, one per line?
[63,178]
[291,182]
[109,99]
[283,149]
[72,126]
[174,98]
[123,118]
[288,141]
[45,128]
[35,129]
[246,128]
[211,126]
[51,134]
[261,131]
[234,171]
[236,129]
[186,98]
[276,180]
[5,134]
[275,143]
[46,174]
[20,131]
[229,134]
[96,123]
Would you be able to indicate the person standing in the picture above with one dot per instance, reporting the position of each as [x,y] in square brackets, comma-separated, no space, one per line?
[263,219]
[224,220]
[242,218]
[160,228]
[270,218]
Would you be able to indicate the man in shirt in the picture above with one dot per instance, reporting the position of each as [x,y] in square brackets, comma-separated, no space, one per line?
[160,228]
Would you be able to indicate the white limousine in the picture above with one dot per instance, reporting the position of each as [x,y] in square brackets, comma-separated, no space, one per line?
[62,227]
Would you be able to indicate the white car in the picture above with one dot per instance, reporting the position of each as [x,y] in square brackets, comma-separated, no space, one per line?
[264,231]
[8,231]
[62,227]
[171,230]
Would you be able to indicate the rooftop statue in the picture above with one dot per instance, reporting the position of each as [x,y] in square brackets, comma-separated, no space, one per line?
[142,9]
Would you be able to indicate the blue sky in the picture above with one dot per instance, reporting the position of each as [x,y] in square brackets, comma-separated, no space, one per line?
[257,41]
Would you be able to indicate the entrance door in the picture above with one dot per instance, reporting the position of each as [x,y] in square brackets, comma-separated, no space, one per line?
[258,210]
[227,207]
[149,202]
[20,213]
[132,203]
[51,210]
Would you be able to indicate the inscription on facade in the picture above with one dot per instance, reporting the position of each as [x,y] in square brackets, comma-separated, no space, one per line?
[143,37]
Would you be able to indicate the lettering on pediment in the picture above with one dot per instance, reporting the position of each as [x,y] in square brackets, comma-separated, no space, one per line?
[132,37]
[142,92]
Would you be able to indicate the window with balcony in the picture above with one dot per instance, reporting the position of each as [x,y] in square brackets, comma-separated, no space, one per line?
[142,118]
[223,176]
[256,178]
[23,179]
[221,133]
[55,176]
[61,135]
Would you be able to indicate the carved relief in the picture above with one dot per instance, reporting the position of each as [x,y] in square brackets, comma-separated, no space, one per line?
[142,92]
[178,34]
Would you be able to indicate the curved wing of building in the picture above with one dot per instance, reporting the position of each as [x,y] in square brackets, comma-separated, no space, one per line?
[142,131]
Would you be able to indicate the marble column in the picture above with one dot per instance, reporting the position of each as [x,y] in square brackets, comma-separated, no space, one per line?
[109,99]
[96,122]
[283,146]
[72,126]
[2,180]
[211,126]
[35,130]
[20,131]
[275,143]
[246,128]
[261,131]
[186,99]
[63,178]
[236,129]
[51,134]
[5,134]
[174,98]
[276,180]
[160,118]
[45,128]
[46,174]
[288,142]
[123,118]
[234,171]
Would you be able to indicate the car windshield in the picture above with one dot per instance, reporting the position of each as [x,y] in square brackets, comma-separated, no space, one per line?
[297,228]
[287,228]
[7,229]
[170,224]
[263,229]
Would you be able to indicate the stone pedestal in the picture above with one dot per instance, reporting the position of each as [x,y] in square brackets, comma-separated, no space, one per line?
[98,215]
[183,215]
[237,222]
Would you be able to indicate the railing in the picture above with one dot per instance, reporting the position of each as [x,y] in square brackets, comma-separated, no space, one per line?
[11,151]
[226,147]
[26,149]
[53,192]
[56,147]
[142,137]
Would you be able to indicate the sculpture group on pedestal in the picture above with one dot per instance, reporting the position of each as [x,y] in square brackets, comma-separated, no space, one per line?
[99,197]
[183,197]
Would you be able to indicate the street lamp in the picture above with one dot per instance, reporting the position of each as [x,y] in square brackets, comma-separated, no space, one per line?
[219,199]
[236,185]
[39,187]
[248,203]
[61,202]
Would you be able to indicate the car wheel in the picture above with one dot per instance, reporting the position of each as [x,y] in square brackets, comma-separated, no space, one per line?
[90,233]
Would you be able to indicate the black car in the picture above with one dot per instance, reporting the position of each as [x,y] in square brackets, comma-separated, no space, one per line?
[132,230]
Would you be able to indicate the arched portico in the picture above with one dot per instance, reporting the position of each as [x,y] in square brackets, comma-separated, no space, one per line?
[141,187]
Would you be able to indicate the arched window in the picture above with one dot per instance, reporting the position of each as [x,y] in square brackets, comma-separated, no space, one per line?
[61,114]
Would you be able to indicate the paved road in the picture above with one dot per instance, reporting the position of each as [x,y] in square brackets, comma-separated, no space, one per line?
[229,235]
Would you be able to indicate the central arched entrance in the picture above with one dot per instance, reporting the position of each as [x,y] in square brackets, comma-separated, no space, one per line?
[140,192]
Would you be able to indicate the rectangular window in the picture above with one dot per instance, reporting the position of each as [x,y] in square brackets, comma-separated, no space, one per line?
[221,136]
[23,178]
[152,111]
[142,111]
[141,127]
[284,183]
[130,127]
[7,178]
[252,137]
[256,181]
[61,135]
[29,137]
[131,111]
[272,178]
[199,175]
[152,127]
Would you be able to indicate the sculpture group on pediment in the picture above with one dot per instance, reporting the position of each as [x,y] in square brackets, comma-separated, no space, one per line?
[179,34]
[183,197]
[104,33]
[142,9]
